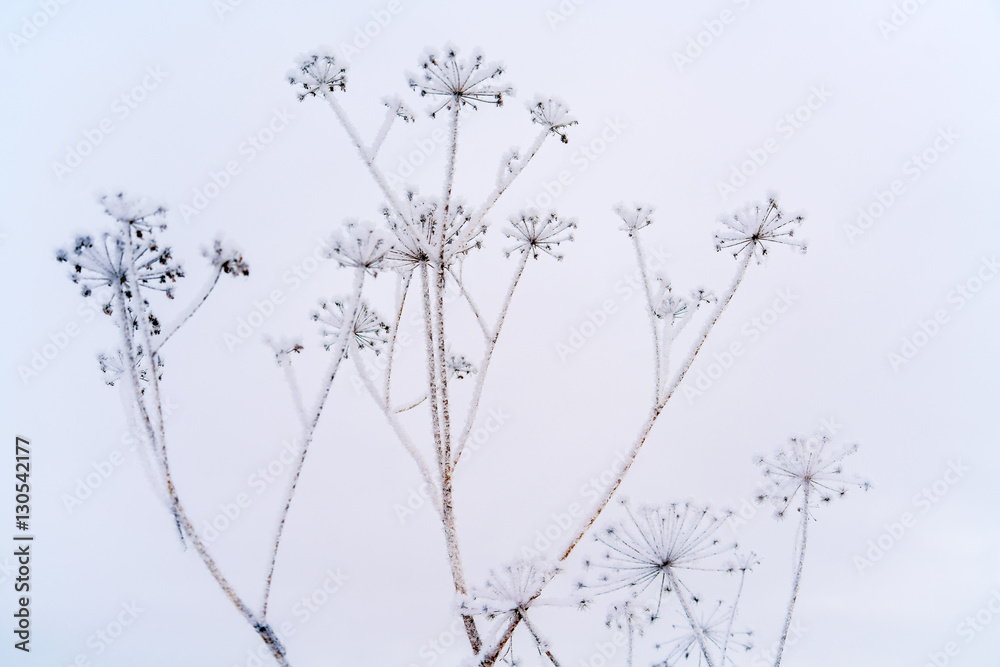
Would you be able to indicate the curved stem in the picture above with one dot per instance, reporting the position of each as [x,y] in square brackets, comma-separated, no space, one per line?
[184,524]
[198,302]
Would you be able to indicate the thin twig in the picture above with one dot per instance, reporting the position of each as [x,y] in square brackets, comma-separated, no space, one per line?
[310,428]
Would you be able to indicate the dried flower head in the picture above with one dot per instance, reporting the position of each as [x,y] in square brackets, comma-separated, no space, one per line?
[634,217]
[754,227]
[418,235]
[397,106]
[809,465]
[714,628]
[140,216]
[510,589]
[553,115]
[317,74]
[457,83]
[459,366]
[369,332]
[226,258]
[652,542]
[532,233]
[115,367]
[105,262]
[284,349]
[360,245]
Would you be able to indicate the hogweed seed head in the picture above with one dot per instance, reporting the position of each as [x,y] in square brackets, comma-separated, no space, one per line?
[137,214]
[811,464]
[652,541]
[367,330]
[360,245]
[553,115]
[634,217]
[459,366]
[512,588]
[712,627]
[226,258]
[457,83]
[755,227]
[317,74]
[533,233]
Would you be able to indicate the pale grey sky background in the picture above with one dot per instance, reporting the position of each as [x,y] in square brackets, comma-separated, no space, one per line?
[210,78]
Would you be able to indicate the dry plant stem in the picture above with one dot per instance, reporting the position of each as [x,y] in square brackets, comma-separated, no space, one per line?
[542,646]
[798,574]
[395,332]
[477,392]
[206,291]
[472,305]
[491,656]
[699,633]
[383,132]
[447,500]
[366,157]
[654,329]
[504,183]
[263,630]
[310,427]
[444,465]
[143,324]
[401,433]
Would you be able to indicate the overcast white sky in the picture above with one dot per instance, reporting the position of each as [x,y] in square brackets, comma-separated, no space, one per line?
[208,79]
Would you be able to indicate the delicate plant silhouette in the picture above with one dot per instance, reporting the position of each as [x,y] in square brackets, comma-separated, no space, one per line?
[423,243]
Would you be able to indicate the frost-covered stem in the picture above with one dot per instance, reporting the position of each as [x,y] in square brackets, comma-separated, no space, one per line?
[654,329]
[367,158]
[429,350]
[198,302]
[441,268]
[732,616]
[543,645]
[798,573]
[309,428]
[383,131]
[293,388]
[504,183]
[631,631]
[409,406]
[491,344]
[444,465]
[180,515]
[492,655]
[401,434]
[395,333]
[472,305]
[658,407]
[449,174]
[143,323]
[699,633]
